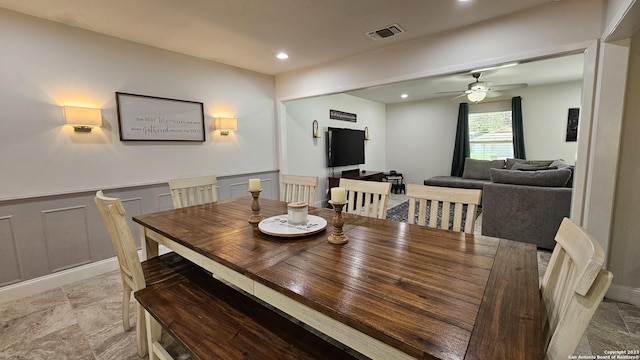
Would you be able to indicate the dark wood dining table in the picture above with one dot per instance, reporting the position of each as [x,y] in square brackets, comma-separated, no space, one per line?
[394,290]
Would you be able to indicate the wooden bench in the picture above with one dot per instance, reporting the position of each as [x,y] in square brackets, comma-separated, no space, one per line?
[214,321]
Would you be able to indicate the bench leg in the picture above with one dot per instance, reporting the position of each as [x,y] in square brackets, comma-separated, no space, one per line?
[154,334]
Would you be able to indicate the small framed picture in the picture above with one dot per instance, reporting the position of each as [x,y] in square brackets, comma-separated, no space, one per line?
[572,124]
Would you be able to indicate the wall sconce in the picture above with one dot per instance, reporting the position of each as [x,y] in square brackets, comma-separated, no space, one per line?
[315,130]
[225,125]
[82,119]
[366,133]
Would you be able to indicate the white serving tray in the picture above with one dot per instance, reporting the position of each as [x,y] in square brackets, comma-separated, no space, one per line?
[279,226]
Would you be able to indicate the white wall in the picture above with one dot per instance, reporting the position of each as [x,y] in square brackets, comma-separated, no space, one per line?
[305,155]
[625,232]
[544,113]
[420,138]
[45,65]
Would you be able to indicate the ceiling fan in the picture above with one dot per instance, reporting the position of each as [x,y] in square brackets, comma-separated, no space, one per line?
[477,90]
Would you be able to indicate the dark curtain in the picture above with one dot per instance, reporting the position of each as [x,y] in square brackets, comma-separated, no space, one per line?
[518,132]
[461,149]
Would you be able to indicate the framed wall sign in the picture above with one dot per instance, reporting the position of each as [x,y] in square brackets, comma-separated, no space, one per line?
[341,115]
[150,118]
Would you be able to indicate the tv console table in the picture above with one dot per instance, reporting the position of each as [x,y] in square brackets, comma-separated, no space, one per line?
[356,174]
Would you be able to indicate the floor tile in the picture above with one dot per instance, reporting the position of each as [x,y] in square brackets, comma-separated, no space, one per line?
[31,304]
[631,317]
[84,292]
[67,343]
[27,328]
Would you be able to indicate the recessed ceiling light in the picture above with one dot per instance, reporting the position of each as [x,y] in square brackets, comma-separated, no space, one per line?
[404,96]
[282,56]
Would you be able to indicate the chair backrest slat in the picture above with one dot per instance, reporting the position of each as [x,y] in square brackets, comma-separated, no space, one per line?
[193,191]
[573,286]
[298,188]
[444,200]
[366,198]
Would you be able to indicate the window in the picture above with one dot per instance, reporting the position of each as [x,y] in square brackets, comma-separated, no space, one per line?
[490,135]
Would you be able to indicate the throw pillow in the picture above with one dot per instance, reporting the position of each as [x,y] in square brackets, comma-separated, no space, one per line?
[479,169]
[548,178]
[527,167]
[563,165]
[542,163]
[510,161]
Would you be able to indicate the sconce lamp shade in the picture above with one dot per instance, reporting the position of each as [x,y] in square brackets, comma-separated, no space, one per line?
[81,118]
[225,125]
[476,96]
[366,133]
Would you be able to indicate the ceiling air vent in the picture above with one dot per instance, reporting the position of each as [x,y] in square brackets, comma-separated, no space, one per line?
[385,32]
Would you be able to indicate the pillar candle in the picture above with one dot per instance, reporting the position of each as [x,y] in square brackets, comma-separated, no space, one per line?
[338,194]
[254,184]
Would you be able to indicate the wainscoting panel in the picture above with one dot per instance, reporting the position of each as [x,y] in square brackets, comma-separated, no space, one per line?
[242,189]
[165,202]
[11,271]
[67,237]
[43,235]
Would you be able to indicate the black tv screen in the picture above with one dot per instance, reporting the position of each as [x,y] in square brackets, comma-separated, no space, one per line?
[345,147]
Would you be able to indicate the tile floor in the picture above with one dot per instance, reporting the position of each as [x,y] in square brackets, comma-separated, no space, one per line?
[82,320]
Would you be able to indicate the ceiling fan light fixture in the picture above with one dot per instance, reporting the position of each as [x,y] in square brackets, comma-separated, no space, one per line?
[478,86]
[476,96]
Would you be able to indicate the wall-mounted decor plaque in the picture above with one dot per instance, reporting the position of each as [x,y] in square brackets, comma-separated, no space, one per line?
[341,115]
[150,118]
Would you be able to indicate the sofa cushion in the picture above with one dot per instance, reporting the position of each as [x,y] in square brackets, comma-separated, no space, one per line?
[548,178]
[542,163]
[479,169]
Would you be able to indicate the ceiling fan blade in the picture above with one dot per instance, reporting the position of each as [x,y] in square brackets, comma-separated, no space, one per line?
[508,86]
[451,92]
[460,96]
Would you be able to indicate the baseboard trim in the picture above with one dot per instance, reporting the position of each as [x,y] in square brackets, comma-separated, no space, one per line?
[55,280]
[624,294]
[52,281]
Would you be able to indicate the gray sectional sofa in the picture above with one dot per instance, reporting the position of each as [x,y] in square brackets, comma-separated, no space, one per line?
[522,200]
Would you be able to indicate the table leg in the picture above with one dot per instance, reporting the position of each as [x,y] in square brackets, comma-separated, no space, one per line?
[149,247]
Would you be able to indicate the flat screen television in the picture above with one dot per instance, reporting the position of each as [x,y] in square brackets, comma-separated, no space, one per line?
[345,147]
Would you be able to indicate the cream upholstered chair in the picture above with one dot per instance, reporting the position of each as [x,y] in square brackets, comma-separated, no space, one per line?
[573,286]
[448,198]
[135,275]
[193,191]
[367,198]
[298,188]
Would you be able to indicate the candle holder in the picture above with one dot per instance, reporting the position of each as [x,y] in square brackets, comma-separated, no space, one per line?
[255,207]
[337,235]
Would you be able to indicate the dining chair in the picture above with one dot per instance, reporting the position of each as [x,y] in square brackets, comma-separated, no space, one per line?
[446,201]
[298,188]
[573,286]
[367,198]
[193,191]
[135,275]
